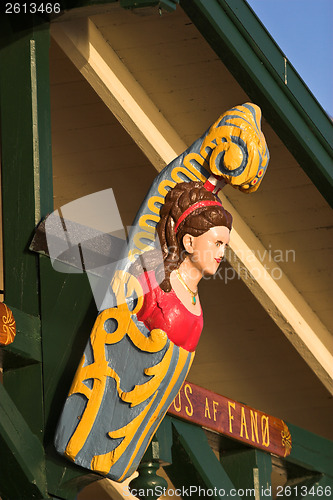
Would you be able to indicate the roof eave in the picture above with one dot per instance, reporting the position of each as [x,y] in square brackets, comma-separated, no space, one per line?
[243,44]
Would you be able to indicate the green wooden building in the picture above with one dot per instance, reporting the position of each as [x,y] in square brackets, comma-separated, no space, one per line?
[102,93]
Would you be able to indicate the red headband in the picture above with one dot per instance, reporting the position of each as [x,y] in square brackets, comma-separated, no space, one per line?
[199,204]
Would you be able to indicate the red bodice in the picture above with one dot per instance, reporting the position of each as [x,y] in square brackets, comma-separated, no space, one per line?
[165,311]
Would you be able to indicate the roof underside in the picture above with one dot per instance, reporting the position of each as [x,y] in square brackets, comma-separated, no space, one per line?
[243,353]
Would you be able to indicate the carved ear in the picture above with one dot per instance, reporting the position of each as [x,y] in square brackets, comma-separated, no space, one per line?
[188,243]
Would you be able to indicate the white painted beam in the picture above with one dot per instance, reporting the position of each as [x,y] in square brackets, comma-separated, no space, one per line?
[98,63]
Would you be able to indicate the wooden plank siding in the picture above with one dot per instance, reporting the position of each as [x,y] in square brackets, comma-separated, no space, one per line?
[83,126]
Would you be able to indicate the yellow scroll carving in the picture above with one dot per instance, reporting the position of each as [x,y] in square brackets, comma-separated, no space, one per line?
[243,146]
[183,357]
[123,285]
[142,392]
[147,230]
[103,463]
[243,124]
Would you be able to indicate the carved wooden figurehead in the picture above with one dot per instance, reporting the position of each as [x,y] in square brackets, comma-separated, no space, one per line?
[143,342]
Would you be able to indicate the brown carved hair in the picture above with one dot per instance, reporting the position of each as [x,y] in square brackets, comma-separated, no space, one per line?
[177,200]
[198,222]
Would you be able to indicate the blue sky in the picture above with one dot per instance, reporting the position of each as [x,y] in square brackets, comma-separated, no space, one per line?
[303,30]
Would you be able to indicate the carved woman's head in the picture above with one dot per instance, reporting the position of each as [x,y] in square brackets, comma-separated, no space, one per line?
[189,211]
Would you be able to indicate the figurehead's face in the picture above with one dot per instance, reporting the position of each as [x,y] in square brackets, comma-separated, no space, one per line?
[207,251]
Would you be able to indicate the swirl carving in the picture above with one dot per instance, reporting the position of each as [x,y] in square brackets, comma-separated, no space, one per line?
[286,439]
[7,325]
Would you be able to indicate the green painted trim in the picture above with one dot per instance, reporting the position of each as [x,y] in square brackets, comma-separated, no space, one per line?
[21,455]
[195,464]
[27,397]
[68,314]
[310,451]
[168,5]
[27,196]
[43,114]
[26,152]
[249,470]
[281,69]
[18,189]
[76,4]
[26,347]
[66,480]
[251,55]
[164,438]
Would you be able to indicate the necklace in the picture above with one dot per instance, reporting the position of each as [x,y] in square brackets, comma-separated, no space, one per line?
[194,294]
